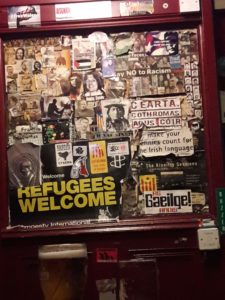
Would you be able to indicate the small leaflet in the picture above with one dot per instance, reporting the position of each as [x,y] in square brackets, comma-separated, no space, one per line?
[64,156]
[168,201]
[24,16]
[177,142]
[131,8]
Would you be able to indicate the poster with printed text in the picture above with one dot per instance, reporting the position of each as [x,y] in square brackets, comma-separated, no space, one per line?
[24,16]
[67,183]
[107,120]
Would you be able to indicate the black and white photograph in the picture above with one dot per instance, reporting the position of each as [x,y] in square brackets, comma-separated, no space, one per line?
[84,108]
[109,85]
[84,56]
[24,165]
[115,115]
[93,86]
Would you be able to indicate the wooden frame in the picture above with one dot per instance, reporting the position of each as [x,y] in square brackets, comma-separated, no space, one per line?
[213,147]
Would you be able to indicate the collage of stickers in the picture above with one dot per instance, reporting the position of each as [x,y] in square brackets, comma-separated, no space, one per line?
[141,85]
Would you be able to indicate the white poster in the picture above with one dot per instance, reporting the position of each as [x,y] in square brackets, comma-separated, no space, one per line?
[157,143]
[64,156]
[130,8]
[115,115]
[161,113]
[20,16]
[168,201]
[83,11]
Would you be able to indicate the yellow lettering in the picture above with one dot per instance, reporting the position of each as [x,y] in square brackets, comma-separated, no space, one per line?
[25,191]
[65,202]
[72,187]
[27,205]
[47,187]
[56,188]
[109,183]
[85,186]
[43,204]
[35,191]
[97,184]
[110,198]
[96,200]
[52,204]
[80,200]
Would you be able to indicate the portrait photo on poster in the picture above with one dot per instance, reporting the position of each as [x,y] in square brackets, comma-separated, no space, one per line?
[68,92]
[116,115]
[24,165]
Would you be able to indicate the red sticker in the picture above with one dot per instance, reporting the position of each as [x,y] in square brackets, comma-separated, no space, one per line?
[107,255]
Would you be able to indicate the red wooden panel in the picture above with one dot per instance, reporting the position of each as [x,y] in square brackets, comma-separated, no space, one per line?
[211,105]
[3,160]
[181,275]
[219,31]
[161,6]
[211,109]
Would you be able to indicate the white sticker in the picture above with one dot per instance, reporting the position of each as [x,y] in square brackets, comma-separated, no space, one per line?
[80,150]
[131,8]
[20,16]
[119,148]
[156,143]
[83,11]
[29,134]
[189,5]
[168,201]
[63,154]
[160,113]
[165,5]
[115,115]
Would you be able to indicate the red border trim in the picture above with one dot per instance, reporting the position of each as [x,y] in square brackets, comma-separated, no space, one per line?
[214,156]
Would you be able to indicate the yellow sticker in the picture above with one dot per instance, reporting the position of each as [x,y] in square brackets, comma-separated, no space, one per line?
[147,183]
[98,157]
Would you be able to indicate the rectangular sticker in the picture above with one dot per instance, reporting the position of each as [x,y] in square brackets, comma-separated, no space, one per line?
[107,255]
[30,134]
[147,183]
[189,5]
[131,8]
[220,199]
[118,148]
[64,155]
[160,113]
[83,11]
[98,157]
[24,16]
[168,201]
[83,53]
[177,142]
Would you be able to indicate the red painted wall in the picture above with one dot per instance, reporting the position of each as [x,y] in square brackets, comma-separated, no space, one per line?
[181,271]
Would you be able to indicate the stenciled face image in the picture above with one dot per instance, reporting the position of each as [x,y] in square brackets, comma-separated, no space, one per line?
[83,126]
[91,83]
[19,54]
[120,88]
[171,40]
[115,112]
[26,168]
[37,65]
[10,71]
[82,104]
[24,66]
